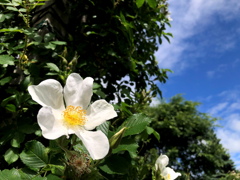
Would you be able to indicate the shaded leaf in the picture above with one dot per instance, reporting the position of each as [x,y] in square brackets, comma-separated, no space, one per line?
[115,165]
[17,139]
[127,145]
[135,124]
[34,155]
[2,17]
[152,131]
[152,3]
[6,59]
[12,174]
[104,127]
[11,107]
[11,155]
[59,42]
[139,3]
[53,67]
[5,80]
[53,177]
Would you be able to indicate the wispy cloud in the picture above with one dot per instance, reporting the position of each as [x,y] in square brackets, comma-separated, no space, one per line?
[230,139]
[220,69]
[196,29]
[217,72]
[218,108]
[228,109]
[191,17]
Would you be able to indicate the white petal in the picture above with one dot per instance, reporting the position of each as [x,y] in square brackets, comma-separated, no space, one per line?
[52,128]
[170,174]
[48,93]
[99,112]
[96,142]
[161,162]
[78,92]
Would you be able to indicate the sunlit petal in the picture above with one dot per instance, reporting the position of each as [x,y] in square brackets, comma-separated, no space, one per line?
[48,93]
[170,174]
[52,128]
[77,117]
[99,112]
[161,162]
[78,92]
[95,142]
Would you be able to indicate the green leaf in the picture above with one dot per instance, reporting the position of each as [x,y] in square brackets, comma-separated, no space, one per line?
[17,2]
[53,67]
[12,174]
[4,1]
[127,145]
[34,155]
[59,42]
[152,131]
[115,164]
[11,155]
[12,8]
[5,80]
[139,3]
[28,174]
[152,3]
[9,15]
[17,139]
[5,101]
[11,107]
[96,85]
[2,17]
[6,59]
[37,38]
[48,37]
[135,124]
[57,169]
[53,177]
[22,10]
[49,45]
[104,127]
[28,128]
[11,30]
[100,93]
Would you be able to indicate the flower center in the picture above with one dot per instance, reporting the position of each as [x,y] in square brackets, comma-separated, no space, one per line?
[74,116]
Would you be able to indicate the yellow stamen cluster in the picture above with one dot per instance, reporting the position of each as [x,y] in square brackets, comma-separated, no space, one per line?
[74,116]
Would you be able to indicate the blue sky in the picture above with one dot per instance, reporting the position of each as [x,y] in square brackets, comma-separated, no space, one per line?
[205,57]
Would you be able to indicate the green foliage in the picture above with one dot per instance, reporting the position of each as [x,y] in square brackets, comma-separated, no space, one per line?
[31,52]
[34,155]
[109,41]
[189,140]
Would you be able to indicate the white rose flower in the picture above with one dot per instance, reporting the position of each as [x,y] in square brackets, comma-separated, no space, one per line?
[165,172]
[68,111]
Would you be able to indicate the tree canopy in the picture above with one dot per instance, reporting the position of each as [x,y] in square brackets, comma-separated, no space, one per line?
[188,138]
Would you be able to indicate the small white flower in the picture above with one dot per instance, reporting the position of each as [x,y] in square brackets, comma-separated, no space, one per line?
[68,111]
[166,172]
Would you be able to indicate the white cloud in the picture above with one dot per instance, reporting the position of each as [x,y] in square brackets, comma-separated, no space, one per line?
[193,20]
[220,69]
[228,109]
[234,106]
[230,95]
[218,108]
[190,18]
[234,123]
[230,140]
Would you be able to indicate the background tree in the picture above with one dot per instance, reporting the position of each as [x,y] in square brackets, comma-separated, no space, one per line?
[188,138]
